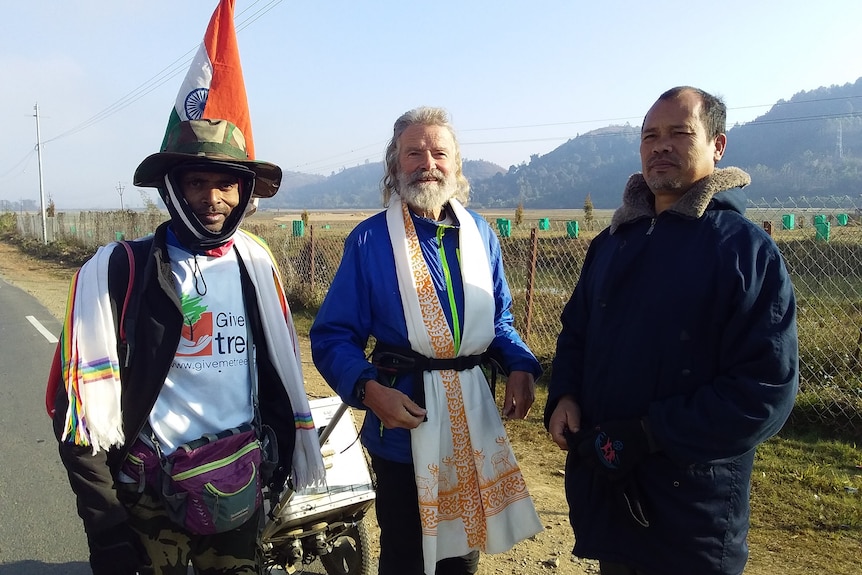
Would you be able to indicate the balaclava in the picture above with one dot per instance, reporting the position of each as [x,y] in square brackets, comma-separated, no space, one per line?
[186,225]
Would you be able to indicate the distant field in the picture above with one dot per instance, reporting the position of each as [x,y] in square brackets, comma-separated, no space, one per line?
[316,217]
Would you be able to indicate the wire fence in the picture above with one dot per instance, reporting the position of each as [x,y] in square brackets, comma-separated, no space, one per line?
[819,237]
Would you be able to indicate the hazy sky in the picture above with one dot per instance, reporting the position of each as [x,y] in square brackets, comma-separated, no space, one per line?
[327,78]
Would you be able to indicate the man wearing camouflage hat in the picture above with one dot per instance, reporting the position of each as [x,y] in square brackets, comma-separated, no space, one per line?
[183,336]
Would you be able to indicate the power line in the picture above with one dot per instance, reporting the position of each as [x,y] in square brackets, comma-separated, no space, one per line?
[27,157]
[638,118]
[176,67]
[609,134]
[253,13]
[156,81]
[598,135]
[307,165]
[796,119]
[549,125]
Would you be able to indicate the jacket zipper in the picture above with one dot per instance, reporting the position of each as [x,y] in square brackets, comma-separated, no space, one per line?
[651,227]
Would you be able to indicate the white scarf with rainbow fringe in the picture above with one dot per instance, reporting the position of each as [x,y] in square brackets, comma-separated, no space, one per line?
[90,366]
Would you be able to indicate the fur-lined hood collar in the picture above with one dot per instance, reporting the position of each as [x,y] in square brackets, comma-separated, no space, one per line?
[638,198]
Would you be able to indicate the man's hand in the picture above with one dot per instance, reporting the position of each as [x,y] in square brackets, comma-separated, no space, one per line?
[565,421]
[393,407]
[520,395]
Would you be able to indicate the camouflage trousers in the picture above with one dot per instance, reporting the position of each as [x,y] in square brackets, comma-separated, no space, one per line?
[171,549]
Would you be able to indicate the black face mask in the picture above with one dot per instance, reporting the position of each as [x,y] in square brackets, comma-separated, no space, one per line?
[186,225]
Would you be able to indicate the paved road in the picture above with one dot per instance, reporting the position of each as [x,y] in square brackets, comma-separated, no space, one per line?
[40,532]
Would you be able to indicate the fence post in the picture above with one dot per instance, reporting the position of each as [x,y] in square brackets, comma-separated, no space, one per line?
[531,278]
[311,251]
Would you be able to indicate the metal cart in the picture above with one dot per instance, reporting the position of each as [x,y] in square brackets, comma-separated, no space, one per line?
[325,522]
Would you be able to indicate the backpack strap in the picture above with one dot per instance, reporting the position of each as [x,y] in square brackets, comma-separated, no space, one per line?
[131,283]
[137,251]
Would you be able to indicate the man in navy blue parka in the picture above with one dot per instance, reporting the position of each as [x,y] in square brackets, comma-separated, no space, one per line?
[678,355]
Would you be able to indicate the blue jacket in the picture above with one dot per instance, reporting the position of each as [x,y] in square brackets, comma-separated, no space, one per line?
[689,319]
[363,301]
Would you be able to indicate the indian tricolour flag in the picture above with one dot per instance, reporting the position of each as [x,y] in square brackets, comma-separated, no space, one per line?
[214,86]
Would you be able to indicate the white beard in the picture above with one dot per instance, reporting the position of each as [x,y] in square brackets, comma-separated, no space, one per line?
[426,195]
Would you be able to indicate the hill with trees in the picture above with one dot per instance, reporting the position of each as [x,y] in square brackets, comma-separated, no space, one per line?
[810,145]
[359,187]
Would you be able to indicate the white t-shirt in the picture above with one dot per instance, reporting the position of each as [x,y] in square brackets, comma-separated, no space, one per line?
[208,388]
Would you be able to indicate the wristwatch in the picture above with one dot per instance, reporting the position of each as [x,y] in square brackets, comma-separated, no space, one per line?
[359,390]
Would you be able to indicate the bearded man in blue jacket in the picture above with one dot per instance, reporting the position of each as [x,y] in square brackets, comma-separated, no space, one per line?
[425,279]
[678,355]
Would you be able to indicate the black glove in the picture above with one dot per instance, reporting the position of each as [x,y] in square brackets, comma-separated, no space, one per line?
[616,447]
[269,454]
[118,551]
[277,479]
[574,438]
[275,485]
[628,495]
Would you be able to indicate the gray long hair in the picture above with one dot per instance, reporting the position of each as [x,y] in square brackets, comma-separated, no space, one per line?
[425,116]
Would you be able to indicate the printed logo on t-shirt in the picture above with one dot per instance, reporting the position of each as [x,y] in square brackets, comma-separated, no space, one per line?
[208,334]
[197,334]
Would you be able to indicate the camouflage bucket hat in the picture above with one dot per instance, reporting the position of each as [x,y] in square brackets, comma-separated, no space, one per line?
[197,140]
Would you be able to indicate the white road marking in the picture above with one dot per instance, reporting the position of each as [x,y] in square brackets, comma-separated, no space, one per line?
[41,329]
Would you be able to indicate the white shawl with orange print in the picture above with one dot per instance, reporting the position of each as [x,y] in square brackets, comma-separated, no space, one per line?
[471,491]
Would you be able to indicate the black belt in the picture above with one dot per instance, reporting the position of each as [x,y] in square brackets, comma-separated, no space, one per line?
[394,361]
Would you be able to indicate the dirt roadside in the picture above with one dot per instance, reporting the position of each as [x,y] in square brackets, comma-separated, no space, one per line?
[540,460]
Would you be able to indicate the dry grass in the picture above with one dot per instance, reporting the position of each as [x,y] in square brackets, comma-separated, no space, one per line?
[806,502]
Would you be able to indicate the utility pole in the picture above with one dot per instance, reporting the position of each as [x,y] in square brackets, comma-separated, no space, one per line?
[120,189]
[41,181]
